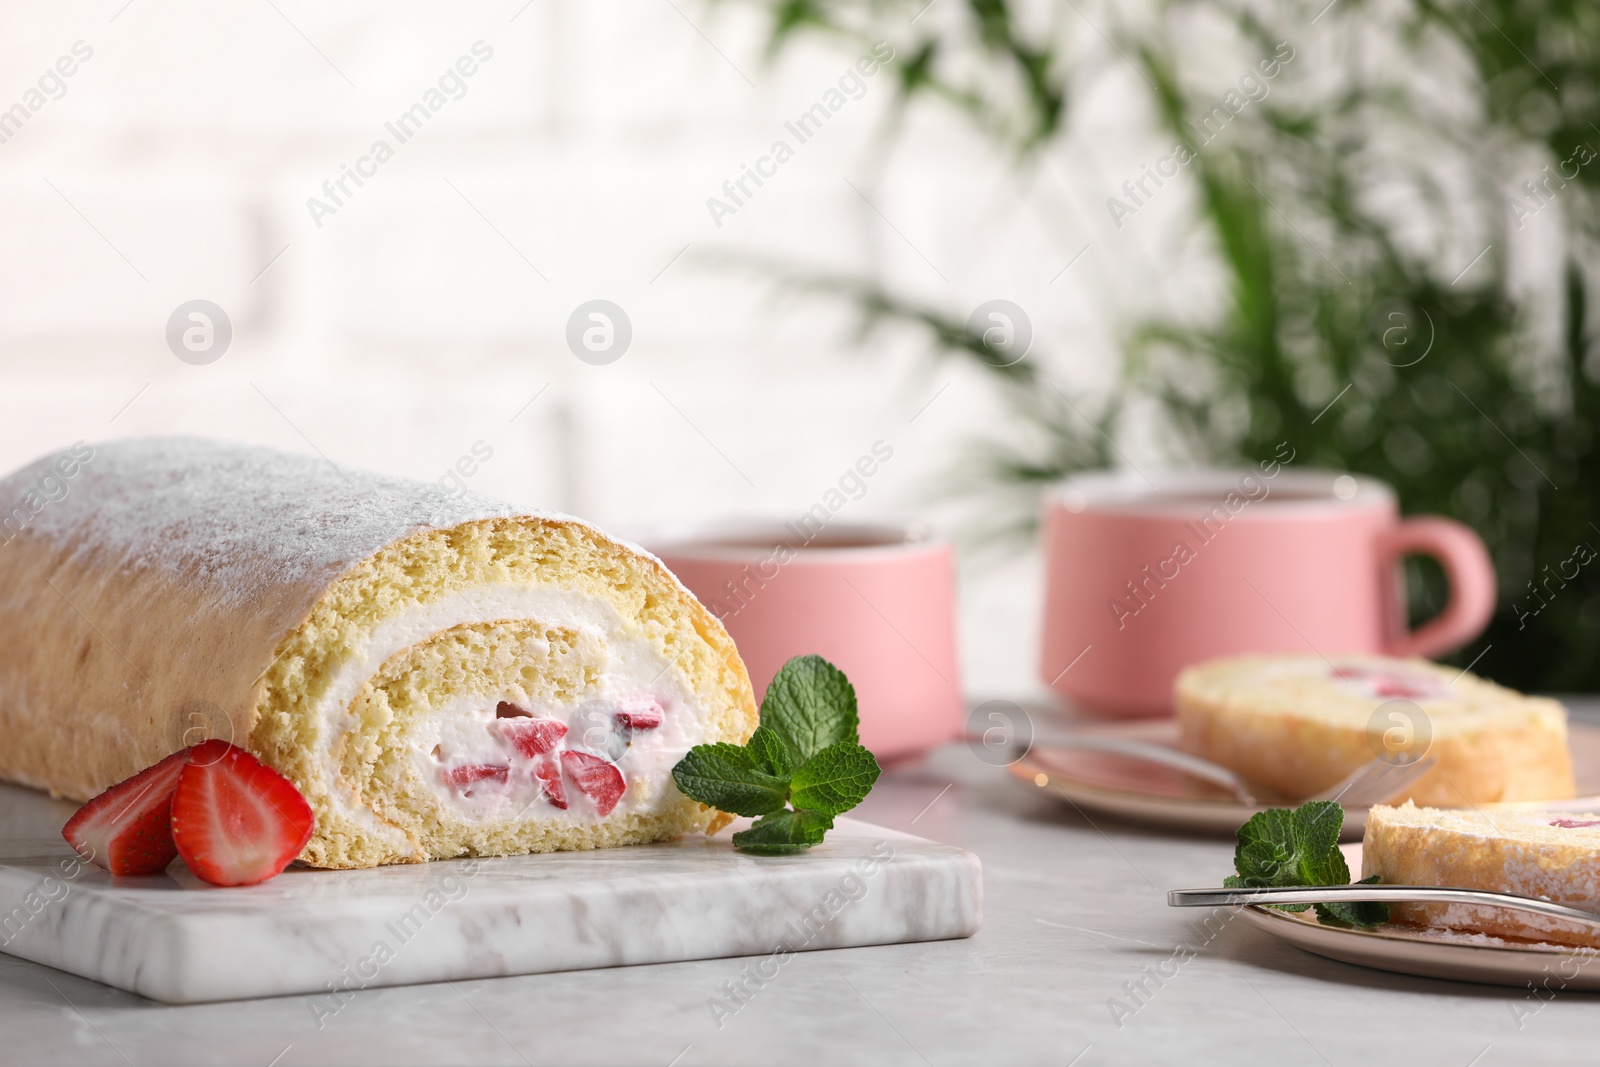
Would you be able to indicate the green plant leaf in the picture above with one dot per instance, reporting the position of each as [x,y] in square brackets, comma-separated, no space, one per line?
[783,832]
[808,721]
[1280,847]
[771,752]
[835,779]
[811,705]
[1355,913]
[1316,836]
[728,778]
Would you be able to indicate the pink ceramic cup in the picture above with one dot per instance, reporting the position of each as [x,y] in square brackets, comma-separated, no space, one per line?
[1144,579]
[876,601]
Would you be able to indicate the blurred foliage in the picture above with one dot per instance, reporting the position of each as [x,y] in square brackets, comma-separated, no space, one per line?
[1450,397]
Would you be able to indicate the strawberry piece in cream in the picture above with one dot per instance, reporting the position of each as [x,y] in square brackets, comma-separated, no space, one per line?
[647,718]
[597,779]
[463,777]
[1391,683]
[549,774]
[532,737]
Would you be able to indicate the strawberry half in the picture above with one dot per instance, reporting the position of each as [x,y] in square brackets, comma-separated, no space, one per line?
[532,737]
[128,828]
[550,775]
[597,779]
[235,820]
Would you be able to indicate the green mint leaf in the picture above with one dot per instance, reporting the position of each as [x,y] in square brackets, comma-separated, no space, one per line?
[1299,847]
[1280,847]
[728,778]
[1316,835]
[783,832]
[1359,913]
[771,752]
[805,749]
[1233,881]
[835,779]
[1266,849]
[811,705]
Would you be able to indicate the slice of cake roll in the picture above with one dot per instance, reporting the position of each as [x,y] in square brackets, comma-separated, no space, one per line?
[1554,856]
[1298,724]
[440,674]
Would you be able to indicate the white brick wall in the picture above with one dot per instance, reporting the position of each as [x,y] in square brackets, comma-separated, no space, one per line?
[407,328]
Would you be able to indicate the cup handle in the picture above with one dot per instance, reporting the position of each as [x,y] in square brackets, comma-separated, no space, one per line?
[1468,569]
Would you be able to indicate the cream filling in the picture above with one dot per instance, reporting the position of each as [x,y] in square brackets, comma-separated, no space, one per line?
[636,673]
[466,736]
[1397,682]
[1370,679]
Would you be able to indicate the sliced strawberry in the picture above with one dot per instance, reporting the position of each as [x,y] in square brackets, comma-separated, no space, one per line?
[1409,688]
[1573,824]
[597,779]
[548,773]
[463,776]
[533,737]
[128,828]
[640,718]
[235,820]
[507,710]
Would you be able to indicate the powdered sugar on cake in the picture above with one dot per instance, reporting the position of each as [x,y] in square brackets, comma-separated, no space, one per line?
[271,520]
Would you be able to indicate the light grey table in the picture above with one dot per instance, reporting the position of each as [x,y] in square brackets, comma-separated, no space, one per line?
[1076,918]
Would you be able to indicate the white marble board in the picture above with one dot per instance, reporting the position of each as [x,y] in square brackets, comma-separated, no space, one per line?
[172,938]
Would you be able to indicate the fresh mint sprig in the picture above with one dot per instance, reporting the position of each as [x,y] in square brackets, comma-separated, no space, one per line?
[803,765]
[1280,847]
